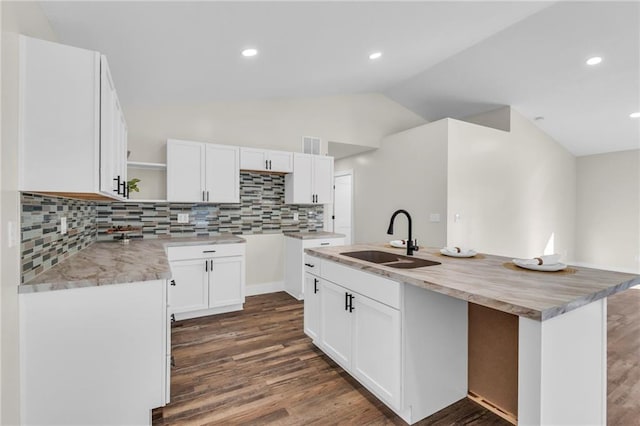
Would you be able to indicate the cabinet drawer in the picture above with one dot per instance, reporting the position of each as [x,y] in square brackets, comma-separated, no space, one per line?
[373,286]
[204,251]
[324,242]
[312,265]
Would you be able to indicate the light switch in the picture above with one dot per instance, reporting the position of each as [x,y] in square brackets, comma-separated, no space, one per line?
[63,225]
[296,216]
[434,217]
[183,217]
[456,217]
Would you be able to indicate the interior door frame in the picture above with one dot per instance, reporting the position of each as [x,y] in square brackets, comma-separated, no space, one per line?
[348,172]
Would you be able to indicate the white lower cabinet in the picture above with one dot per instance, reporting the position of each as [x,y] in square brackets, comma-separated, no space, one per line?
[335,323]
[312,306]
[405,344]
[206,279]
[94,355]
[376,342]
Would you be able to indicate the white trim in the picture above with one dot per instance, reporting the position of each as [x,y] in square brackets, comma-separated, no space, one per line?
[264,288]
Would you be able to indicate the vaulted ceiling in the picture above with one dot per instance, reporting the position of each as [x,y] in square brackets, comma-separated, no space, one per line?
[439,59]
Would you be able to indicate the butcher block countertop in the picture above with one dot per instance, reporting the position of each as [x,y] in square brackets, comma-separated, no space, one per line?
[494,281]
[313,235]
[104,263]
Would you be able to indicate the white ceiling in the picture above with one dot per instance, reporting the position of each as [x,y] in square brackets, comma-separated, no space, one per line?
[440,58]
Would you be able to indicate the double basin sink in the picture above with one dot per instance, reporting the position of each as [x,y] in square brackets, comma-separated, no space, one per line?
[390,259]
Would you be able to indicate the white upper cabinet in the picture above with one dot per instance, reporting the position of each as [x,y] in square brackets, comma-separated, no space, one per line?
[311,181]
[266,160]
[202,172]
[72,130]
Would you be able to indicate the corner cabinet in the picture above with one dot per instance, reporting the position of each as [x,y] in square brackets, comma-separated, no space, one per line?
[405,344]
[311,181]
[206,279]
[85,349]
[266,160]
[202,172]
[72,132]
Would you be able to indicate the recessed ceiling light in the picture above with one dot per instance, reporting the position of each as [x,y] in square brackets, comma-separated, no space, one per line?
[375,55]
[249,52]
[635,114]
[594,61]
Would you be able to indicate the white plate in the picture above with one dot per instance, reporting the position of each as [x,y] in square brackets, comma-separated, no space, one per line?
[398,243]
[546,268]
[466,253]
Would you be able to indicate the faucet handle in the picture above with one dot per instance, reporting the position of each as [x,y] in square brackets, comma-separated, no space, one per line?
[415,245]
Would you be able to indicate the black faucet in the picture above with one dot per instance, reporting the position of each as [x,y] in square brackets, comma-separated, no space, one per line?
[411,245]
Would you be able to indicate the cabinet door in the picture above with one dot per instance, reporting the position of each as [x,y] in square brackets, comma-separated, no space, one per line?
[280,161]
[335,323]
[222,172]
[191,291]
[376,348]
[253,159]
[226,281]
[312,306]
[298,184]
[110,182]
[323,179]
[185,171]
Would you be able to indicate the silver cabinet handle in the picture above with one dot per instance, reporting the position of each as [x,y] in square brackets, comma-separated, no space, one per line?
[202,195]
[207,195]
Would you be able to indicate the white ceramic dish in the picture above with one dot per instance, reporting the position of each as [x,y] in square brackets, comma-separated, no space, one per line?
[465,253]
[546,268]
[398,243]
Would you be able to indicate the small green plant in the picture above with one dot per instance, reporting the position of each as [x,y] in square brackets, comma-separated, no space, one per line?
[132,185]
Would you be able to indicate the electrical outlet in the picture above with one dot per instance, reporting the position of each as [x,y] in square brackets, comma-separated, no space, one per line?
[434,217]
[63,225]
[296,216]
[183,217]
[12,234]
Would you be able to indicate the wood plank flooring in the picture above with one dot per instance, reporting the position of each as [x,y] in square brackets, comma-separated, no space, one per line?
[257,367]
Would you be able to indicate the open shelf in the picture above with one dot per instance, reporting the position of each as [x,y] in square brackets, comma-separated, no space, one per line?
[147,166]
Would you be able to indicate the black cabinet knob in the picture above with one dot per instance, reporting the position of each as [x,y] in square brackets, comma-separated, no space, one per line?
[173,282]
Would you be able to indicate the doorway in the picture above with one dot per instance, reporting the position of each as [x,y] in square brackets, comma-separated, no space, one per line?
[343,204]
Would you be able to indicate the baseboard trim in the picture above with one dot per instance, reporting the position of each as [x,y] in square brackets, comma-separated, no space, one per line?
[264,288]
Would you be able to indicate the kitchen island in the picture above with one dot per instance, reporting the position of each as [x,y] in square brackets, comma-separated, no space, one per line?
[561,353]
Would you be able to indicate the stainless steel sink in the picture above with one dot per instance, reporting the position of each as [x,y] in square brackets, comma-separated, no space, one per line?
[390,259]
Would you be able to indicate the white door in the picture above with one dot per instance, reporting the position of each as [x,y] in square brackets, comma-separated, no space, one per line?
[191,291]
[222,182]
[312,306]
[225,281]
[376,348]
[185,171]
[253,159]
[280,161]
[323,179]
[335,323]
[343,206]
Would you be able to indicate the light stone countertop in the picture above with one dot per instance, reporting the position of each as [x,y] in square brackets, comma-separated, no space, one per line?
[494,281]
[104,263]
[316,235]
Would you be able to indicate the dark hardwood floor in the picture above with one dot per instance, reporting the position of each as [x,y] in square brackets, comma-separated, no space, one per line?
[258,367]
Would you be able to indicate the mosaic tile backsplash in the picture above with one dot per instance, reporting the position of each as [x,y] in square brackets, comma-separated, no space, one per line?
[42,245]
[261,210]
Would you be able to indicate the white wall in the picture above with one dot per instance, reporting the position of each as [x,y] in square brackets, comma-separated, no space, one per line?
[362,119]
[608,211]
[24,18]
[408,171]
[514,191]
[277,124]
